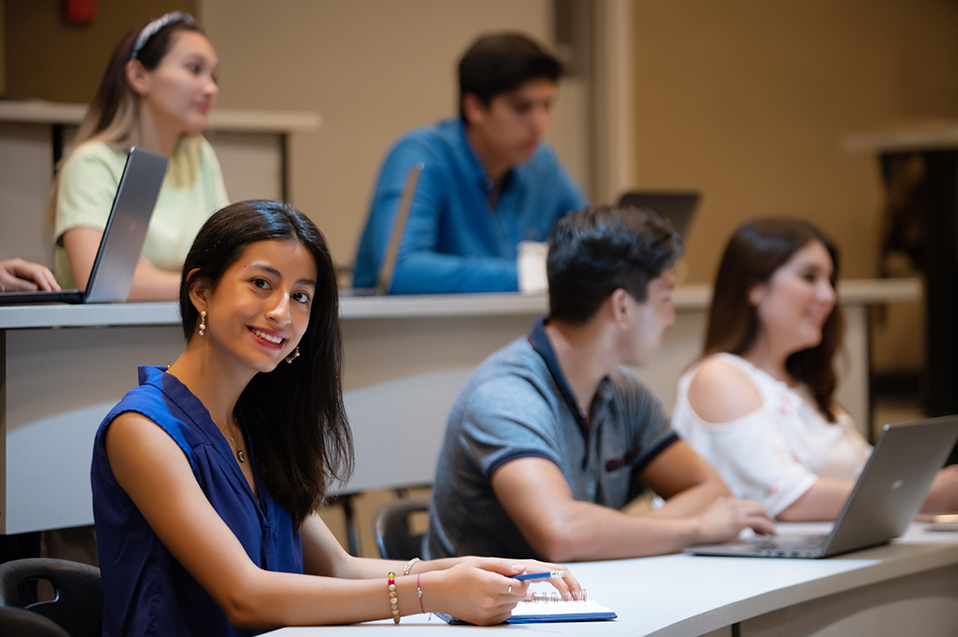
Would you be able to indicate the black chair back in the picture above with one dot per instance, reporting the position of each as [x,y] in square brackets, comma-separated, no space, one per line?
[23,623]
[77,606]
[391,525]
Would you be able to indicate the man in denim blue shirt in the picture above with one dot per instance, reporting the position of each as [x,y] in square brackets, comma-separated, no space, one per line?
[488,181]
[552,436]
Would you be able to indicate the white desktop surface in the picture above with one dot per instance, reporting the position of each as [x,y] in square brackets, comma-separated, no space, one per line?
[692,595]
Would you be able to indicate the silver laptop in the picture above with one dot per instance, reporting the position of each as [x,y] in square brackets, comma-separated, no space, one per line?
[676,206]
[384,278]
[122,241]
[888,494]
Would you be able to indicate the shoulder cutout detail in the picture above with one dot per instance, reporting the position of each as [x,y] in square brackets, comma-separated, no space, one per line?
[721,394]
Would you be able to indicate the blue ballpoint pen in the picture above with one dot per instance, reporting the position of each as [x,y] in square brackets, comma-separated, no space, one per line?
[542,575]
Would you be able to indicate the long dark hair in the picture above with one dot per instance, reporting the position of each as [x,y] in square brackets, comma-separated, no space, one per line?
[756,250]
[294,415]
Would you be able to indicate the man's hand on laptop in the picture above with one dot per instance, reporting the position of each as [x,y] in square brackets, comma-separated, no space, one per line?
[727,516]
[20,275]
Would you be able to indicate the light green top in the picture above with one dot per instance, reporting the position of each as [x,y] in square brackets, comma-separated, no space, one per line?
[192,190]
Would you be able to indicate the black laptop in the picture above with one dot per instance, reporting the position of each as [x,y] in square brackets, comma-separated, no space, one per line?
[677,206]
[123,238]
[889,492]
[384,278]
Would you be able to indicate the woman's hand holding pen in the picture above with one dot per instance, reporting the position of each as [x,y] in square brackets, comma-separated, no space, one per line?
[483,591]
[565,583]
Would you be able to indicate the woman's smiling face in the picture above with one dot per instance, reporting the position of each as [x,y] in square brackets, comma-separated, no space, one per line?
[798,298]
[259,309]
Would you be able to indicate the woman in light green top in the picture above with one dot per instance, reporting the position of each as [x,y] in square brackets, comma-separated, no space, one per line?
[155,94]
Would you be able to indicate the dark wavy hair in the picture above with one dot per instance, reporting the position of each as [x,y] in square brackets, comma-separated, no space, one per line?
[594,252]
[294,415]
[502,62]
[756,250]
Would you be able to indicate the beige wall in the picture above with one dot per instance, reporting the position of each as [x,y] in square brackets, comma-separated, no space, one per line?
[373,69]
[63,62]
[748,101]
[745,100]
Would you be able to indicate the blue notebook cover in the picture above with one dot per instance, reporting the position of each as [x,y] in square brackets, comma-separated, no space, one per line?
[545,612]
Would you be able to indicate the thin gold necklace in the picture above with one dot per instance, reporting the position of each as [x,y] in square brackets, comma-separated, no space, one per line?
[229,433]
[239,452]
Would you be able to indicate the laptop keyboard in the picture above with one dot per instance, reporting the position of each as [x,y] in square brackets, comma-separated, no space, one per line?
[803,543]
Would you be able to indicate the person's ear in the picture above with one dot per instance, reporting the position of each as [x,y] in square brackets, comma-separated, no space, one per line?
[619,307]
[137,77]
[756,294]
[473,108]
[199,291]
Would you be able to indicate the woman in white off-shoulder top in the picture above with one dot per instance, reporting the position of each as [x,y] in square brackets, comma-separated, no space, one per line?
[760,403]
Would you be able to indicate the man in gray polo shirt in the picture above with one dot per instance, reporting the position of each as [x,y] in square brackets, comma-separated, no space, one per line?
[551,436]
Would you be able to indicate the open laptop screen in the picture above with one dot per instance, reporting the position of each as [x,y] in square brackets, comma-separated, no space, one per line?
[123,237]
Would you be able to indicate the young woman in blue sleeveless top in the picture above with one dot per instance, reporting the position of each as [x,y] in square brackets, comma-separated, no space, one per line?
[207,477]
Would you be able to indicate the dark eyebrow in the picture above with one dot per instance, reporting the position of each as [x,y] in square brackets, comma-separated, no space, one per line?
[814,268]
[276,273]
[201,59]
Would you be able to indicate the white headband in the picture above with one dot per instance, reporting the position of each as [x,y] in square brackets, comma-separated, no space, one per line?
[150,30]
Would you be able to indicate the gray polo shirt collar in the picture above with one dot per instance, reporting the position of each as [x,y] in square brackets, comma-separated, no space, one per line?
[540,343]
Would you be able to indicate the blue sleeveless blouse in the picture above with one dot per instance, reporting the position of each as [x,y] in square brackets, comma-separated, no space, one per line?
[145,589]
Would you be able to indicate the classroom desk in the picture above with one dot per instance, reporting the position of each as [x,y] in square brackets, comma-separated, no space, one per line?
[907,587]
[63,367]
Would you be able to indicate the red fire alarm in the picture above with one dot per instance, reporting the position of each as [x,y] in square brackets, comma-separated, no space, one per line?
[79,11]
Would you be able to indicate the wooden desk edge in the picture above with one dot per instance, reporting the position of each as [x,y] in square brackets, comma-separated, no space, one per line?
[917,138]
[40,112]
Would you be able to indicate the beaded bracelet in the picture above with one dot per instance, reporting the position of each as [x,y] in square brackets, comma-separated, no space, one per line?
[409,565]
[393,601]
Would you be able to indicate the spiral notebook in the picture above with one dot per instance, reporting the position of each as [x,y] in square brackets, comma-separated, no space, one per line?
[540,612]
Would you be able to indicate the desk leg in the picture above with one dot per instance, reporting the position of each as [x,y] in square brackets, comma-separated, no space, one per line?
[941,280]
[18,545]
[924,224]
[56,139]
